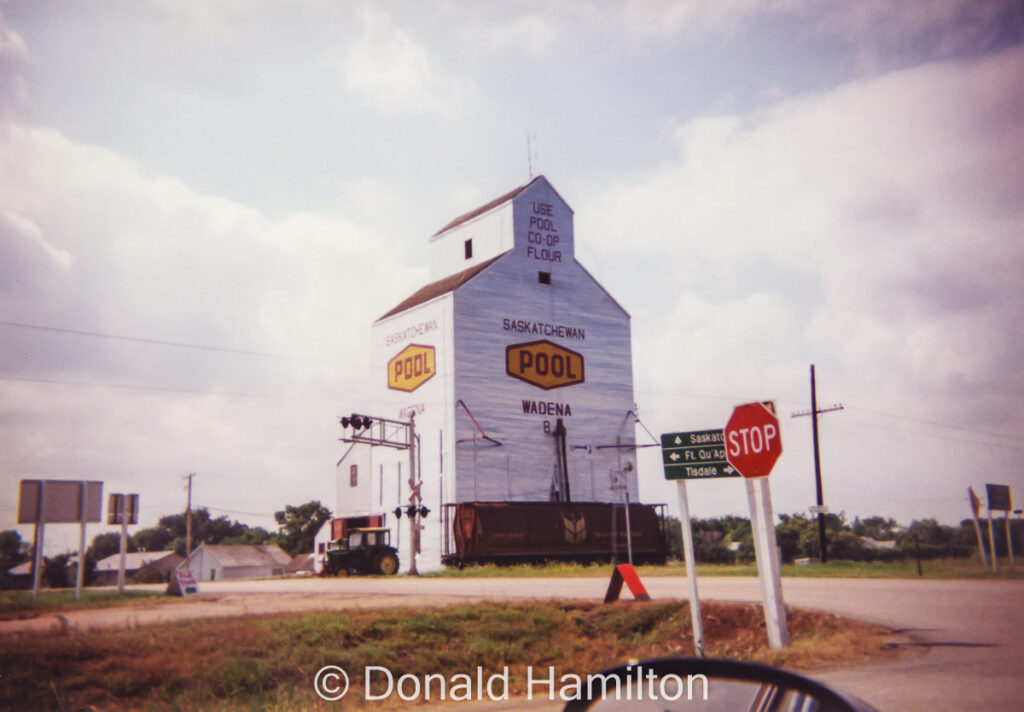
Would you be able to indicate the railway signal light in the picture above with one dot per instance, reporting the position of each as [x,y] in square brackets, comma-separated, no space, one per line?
[357,422]
[411,511]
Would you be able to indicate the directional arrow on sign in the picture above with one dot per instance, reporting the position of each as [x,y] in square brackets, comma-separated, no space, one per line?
[695,455]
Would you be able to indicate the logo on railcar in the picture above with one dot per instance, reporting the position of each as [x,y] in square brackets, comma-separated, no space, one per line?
[544,364]
[411,368]
[575,527]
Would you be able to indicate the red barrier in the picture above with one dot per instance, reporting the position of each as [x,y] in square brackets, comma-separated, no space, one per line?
[626,573]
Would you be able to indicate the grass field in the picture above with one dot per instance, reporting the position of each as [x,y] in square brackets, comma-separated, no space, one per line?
[936,569]
[269,663]
[15,603]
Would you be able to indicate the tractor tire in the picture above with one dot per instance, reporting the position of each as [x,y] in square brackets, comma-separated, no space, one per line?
[385,563]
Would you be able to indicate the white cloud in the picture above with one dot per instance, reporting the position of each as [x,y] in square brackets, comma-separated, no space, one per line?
[876,27]
[873,229]
[532,34]
[399,74]
[952,26]
[121,252]
[14,59]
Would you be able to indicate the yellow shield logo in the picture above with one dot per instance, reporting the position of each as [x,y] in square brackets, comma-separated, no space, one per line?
[544,364]
[411,368]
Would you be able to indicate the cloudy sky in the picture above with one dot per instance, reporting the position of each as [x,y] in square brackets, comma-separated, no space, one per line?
[204,205]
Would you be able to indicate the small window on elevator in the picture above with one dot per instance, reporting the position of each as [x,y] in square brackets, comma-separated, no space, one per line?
[544,277]
[468,247]
[353,476]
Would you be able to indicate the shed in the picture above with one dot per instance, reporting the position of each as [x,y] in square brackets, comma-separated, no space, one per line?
[160,563]
[222,562]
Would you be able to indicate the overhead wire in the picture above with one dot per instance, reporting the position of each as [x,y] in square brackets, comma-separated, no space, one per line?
[157,342]
[267,354]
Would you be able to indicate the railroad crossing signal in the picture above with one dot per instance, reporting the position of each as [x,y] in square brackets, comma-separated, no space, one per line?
[752,441]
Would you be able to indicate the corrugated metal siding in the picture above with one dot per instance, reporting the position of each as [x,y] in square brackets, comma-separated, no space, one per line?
[522,468]
[429,324]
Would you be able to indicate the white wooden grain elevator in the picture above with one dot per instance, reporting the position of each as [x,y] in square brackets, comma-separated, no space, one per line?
[517,365]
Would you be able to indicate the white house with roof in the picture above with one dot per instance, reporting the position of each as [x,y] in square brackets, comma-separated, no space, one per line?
[517,365]
[222,562]
[160,562]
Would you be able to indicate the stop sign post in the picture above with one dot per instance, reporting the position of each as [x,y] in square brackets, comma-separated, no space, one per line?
[753,445]
[752,442]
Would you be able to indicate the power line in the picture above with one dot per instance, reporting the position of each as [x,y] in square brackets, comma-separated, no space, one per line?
[734,399]
[160,389]
[936,436]
[973,431]
[158,342]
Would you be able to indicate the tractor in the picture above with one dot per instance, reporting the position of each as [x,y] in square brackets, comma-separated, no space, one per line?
[362,550]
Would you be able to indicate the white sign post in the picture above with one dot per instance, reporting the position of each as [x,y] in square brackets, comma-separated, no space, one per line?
[693,455]
[768,569]
[691,568]
[123,509]
[752,445]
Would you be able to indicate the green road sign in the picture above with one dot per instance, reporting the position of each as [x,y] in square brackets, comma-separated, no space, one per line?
[699,455]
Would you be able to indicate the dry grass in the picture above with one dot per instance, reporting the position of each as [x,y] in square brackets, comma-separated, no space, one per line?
[269,662]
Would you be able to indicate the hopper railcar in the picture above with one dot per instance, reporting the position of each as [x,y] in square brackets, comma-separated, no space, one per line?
[528,532]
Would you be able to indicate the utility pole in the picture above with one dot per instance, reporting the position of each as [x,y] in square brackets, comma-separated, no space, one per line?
[814,412]
[188,517]
[415,483]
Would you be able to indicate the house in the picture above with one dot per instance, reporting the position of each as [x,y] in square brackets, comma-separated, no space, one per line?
[153,565]
[20,576]
[301,565]
[880,545]
[222,562]
[517,365]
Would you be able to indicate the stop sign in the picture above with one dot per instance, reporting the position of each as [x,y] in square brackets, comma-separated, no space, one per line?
[752,442]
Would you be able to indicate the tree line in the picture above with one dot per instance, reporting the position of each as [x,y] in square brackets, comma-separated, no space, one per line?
[729,539]
[297,528]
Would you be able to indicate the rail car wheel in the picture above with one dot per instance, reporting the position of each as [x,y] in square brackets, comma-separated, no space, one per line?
[385,563]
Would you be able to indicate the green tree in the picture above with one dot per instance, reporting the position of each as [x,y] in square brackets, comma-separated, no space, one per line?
[299,525]
[878,528]
[12,553]
[252,535]
[152,539]
[205,529]
[107,544]
[11,550]
[793,535]
[55,571]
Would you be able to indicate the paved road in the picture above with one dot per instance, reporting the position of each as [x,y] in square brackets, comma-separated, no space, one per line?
[970,633]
